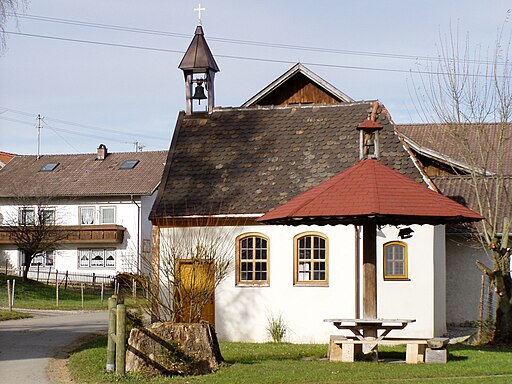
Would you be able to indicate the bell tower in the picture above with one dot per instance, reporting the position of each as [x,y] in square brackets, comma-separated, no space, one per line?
[199,68]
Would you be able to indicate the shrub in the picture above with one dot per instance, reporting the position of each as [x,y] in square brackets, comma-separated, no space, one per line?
[276,329]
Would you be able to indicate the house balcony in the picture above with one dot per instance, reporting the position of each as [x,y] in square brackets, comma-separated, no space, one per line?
[78,234]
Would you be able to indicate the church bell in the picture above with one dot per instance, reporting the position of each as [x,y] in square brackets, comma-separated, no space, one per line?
[199,92]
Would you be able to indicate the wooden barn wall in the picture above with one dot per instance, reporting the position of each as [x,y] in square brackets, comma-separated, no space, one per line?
[299,89]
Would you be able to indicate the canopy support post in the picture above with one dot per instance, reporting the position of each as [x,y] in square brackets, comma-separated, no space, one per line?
[369,271]
[370,282]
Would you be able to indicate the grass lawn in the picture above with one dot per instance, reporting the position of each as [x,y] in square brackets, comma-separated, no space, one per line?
[5,314]
[36,295]
[300,364]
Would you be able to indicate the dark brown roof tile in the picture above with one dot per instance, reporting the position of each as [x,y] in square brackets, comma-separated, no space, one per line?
[249,160]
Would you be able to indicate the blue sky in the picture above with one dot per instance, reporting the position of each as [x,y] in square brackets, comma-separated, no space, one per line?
[95,93]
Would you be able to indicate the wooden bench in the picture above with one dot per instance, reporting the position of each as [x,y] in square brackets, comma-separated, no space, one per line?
[344,349]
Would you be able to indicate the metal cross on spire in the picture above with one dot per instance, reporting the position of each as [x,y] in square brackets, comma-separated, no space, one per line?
[198,10]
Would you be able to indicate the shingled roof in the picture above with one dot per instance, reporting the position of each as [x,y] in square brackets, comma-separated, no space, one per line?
[250,160]
[82,175]
[370,191]
[198,54]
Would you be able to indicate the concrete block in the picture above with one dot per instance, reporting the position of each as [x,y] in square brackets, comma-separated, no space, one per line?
[438,342]
[436,356]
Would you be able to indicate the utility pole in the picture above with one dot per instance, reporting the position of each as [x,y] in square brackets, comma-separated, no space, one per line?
[138,146]
[39,118]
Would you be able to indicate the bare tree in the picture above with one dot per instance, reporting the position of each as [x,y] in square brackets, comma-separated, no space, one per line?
[192,262]
[33,229]
[8,9]
[469,94]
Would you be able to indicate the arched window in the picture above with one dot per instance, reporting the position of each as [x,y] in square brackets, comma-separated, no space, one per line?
[395,260]
[310,259]
[252,259]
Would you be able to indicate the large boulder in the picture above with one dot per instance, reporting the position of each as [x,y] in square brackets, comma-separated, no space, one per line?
[174,349]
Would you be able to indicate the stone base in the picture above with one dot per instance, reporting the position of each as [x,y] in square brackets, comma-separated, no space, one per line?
[436,356]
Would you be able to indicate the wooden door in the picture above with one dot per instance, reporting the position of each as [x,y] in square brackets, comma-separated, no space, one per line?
[195,296]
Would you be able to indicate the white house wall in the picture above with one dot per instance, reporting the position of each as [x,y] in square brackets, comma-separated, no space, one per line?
[67,213]
[242,313]
[421,297]
[463,280]
[146,233]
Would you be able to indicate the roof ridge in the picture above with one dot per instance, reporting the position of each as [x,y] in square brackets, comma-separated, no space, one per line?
[91,153]
[294,106]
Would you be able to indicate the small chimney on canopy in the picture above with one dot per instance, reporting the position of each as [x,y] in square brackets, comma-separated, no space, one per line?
[369,143]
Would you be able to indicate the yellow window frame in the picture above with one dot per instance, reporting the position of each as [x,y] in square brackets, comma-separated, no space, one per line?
[312,260]
[238,279]
[387,274]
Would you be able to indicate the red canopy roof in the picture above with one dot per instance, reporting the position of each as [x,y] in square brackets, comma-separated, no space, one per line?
[370,191]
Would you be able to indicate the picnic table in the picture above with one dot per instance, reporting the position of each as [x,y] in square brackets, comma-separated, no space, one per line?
[369,333]
[363,329]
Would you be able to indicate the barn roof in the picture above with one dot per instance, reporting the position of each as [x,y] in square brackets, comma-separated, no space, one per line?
[442,142]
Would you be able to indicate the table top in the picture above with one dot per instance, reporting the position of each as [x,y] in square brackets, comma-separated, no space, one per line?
[356,322]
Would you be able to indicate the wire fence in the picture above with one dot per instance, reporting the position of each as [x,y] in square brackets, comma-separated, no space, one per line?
[53,276]
[136,286]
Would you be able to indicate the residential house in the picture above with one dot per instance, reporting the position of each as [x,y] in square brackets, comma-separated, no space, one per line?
[101,201]
[228,166]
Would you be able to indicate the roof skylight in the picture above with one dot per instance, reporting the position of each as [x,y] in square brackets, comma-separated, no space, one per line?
[129,164]
[48,167]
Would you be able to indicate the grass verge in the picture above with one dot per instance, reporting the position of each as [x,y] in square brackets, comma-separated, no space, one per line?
[305,364]
[36,295]
[12,315]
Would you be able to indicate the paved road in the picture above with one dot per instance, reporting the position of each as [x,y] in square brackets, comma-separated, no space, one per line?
[27,345]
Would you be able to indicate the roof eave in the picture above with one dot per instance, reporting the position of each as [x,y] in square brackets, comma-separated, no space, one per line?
[373,219]
[430,153]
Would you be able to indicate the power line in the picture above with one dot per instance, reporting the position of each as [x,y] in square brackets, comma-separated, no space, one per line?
[117,132]
[105,138]
[239,42]
[376,69]
[64,139]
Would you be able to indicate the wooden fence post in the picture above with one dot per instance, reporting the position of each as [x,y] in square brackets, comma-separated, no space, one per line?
[57,288]
[9,294]
[121,340]
[13,292]
[111,342]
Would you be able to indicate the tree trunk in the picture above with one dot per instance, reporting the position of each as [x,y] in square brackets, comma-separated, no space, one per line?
[503,330]
[26,268]
[174,349]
